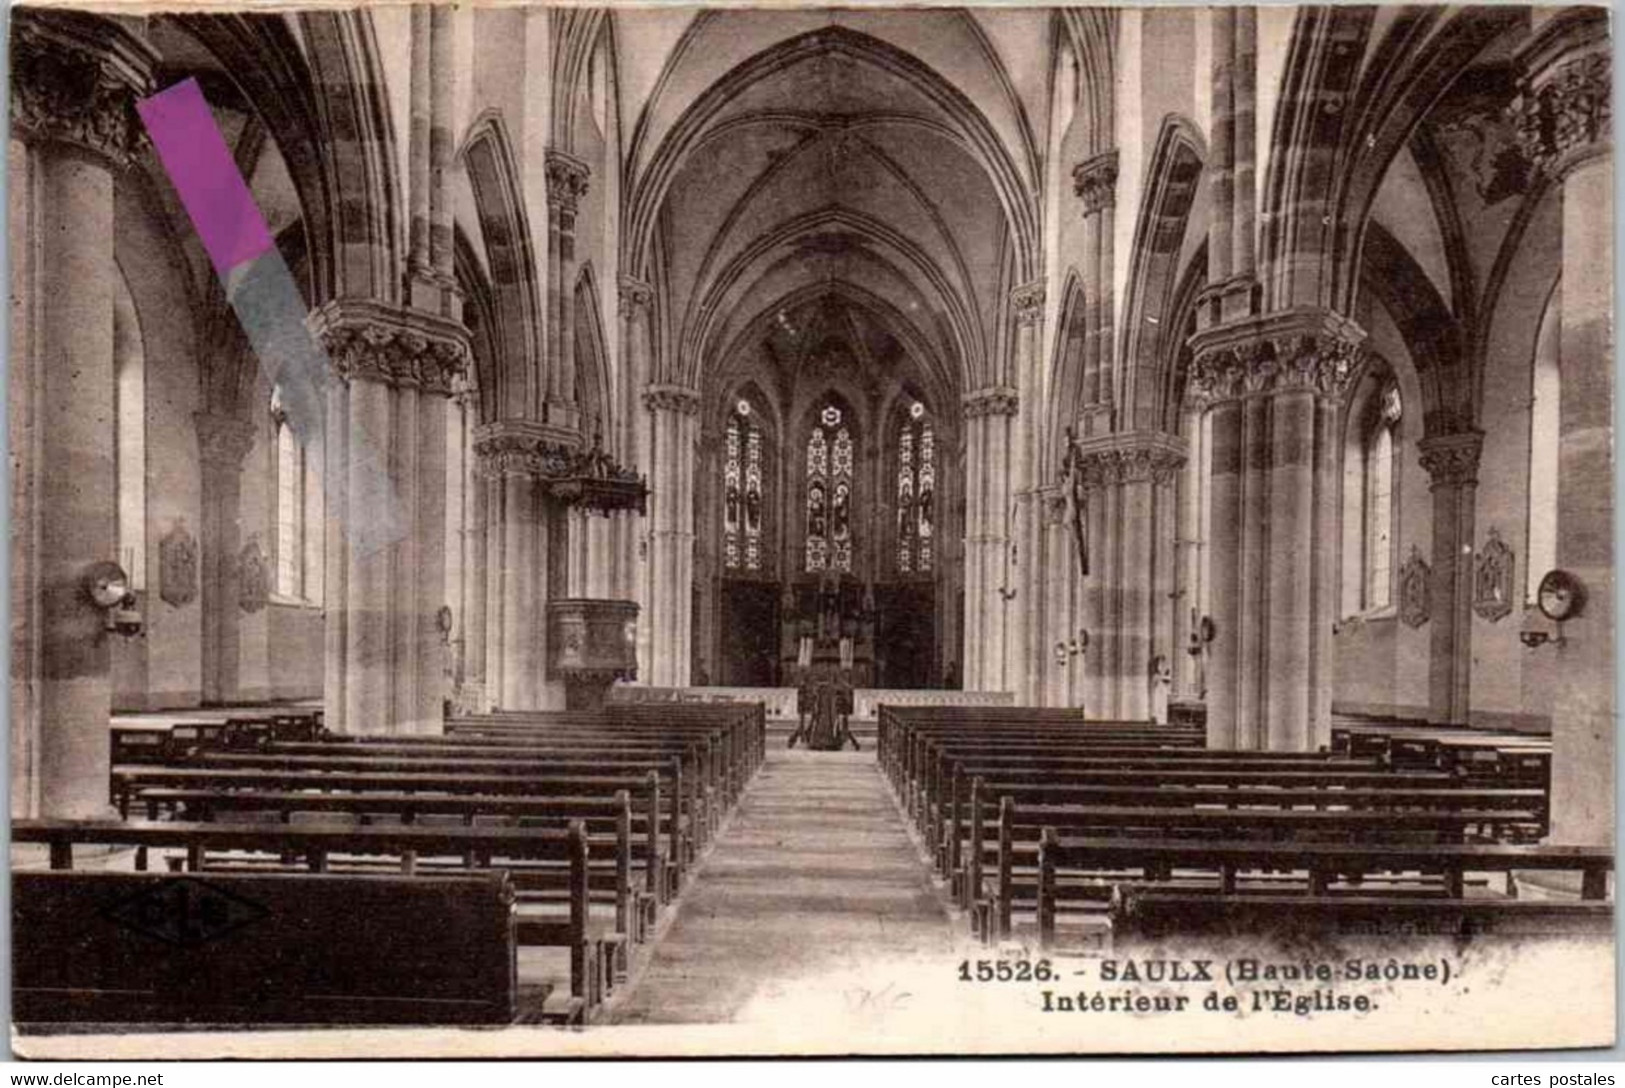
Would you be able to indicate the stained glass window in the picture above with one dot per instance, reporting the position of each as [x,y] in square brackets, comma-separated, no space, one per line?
[916,492]
[829,493]
[743,492]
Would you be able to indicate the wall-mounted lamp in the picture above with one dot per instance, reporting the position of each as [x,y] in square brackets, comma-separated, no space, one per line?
[1534,640]
[108,588]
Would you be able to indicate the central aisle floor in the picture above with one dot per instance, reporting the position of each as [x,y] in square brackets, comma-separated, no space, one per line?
[813,887]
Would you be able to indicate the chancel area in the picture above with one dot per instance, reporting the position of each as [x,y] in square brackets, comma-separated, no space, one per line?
[729,484]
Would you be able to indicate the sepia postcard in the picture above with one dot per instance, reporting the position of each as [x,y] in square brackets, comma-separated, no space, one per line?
[771,530]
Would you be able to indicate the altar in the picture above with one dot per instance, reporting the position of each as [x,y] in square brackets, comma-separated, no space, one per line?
[780,702]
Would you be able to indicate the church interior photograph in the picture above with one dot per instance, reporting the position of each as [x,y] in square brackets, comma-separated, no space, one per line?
[614,518]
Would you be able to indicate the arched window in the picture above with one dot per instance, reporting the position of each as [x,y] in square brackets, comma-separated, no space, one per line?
[1379,501]
[916,492]
[297,542]
[744,492]
[1545,426]
[829,492]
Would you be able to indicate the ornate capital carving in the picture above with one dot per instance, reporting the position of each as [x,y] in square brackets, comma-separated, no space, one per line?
[523,447]
[1563,113]
[223,441]
[372,341]
[1094,180]
[671,398]
[1292,351]
[588,479]
[1028,302]
[1451,459]
[1128,458]
[636,297]
[74,80]
[995,400]
[566,180]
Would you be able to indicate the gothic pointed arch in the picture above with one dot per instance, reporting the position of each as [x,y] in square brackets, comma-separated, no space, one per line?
[1173,181]
[358,152]
[1342,118]
[1432,334]
[593,389]
[1067,370]
[487,155]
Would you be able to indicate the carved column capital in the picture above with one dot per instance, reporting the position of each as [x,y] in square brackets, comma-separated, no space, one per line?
[994,400]
[636,297]
[1563,114]
[1094,180]
[523,448]
[1028,302]
[1128,458]
[374,341]
[566,180]
[671,398]
[222,441]
[1312,351]
[75,78]
[1451,460]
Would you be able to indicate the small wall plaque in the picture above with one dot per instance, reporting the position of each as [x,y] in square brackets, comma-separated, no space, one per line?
[1492,580]
[1415,590]
[177,566]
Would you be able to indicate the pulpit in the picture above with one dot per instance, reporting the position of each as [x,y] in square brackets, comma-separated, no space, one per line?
[591,644]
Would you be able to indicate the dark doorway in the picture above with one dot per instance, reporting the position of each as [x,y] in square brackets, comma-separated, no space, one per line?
[750,634]
[905,636]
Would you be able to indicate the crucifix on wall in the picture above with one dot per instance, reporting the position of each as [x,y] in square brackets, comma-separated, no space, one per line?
[1077,501]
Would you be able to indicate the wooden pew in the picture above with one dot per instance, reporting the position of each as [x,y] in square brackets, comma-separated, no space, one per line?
[620,839]
[1152,913]
[1521,811]
[1321,862]
[131,782]
[320,844]
[939,786]
[1020,827]
[691,800]
[274,949]
[703,767]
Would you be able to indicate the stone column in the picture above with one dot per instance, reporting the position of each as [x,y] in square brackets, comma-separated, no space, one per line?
[566,185]
[1094,180]
[1451,460]
[1189,670]
[1023,662]
[1128,477]
[223,442]
[1271,386]
[989,592]
[1566,126]
[673,418]
[1059,623]
[513,457]
[476,599]
[636,297]
[387,425]
[74,79]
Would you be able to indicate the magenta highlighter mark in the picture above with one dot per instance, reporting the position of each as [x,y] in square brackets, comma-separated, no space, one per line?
[211,188]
